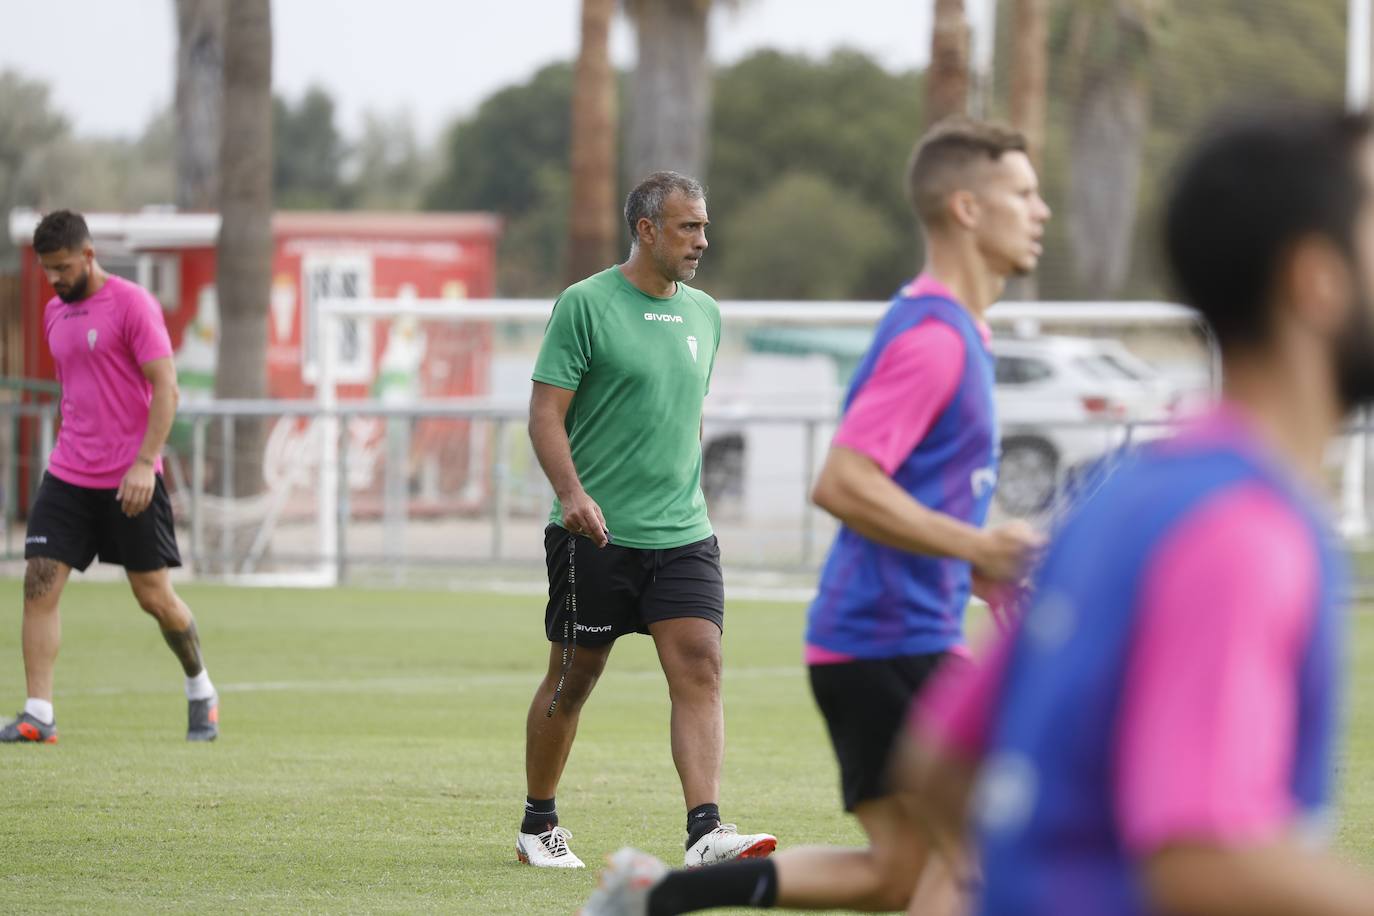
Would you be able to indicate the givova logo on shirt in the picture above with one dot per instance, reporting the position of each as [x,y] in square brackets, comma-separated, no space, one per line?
[671,319]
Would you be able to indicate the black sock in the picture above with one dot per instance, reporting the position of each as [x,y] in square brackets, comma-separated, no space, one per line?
[540,816]
[751,882]
[701,820]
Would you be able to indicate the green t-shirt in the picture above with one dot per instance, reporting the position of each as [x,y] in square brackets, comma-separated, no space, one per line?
[641,367]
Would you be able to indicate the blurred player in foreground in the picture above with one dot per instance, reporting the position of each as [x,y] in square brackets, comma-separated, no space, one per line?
[910,476]
[1158,735]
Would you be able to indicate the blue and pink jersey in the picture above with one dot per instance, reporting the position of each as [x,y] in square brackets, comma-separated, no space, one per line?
[99,346]
[920,405]
[1174,680]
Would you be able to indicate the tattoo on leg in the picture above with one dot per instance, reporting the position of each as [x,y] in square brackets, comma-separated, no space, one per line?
[39,576]
[186,644]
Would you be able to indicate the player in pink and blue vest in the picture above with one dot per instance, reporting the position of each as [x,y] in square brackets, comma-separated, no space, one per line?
[1158,735]
[909,475]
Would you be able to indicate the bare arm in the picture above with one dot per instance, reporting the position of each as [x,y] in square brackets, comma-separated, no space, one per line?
[136,489]
[162,411]
[854,489]
[1278,879]
[548,409]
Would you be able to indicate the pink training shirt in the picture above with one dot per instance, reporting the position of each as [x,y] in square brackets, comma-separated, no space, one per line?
[100,345]
[913,382]
[1205,735]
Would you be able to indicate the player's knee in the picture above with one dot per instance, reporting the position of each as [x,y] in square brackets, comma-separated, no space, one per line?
[576,691]
[697,667]
[890,884]
[894,880]
[157,602]
[40,584]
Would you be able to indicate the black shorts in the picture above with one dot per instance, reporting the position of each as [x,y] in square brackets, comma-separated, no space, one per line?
[864,704]
[76,524]
[622,590]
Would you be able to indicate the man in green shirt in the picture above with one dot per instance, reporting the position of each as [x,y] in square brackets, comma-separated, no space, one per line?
[615,419]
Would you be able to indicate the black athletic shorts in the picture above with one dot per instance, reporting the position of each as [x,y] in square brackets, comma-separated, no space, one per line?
[76,524]
[622,590]
[865,704]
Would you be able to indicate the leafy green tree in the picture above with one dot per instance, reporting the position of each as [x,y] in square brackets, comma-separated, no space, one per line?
[844,119]
[387,166]
[799,238]
[533,245]
[491,160]
[30,127]
[308,153]
[512,156]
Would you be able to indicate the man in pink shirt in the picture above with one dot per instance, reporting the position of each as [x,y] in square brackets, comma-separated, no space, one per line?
[103,494]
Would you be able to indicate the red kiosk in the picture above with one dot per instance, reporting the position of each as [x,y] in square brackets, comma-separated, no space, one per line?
[316,255]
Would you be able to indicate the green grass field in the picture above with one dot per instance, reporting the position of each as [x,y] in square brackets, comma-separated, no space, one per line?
[371,756]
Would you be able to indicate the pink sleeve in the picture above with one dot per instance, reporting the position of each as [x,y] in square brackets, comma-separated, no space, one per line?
[954,714]
[1208,714]
[145,328]
[914,379]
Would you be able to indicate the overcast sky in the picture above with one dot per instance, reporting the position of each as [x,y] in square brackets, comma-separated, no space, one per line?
[110,62]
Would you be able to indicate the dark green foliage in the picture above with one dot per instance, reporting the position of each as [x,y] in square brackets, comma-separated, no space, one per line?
[308,153]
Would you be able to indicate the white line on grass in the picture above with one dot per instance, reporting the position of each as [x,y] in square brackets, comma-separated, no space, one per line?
[456,682]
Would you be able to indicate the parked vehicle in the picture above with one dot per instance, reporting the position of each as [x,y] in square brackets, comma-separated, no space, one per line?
[1063,401]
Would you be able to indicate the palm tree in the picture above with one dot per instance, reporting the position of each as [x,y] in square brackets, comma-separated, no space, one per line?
[670,103]
[1111,41]
[1029,97]
[1030,74]
[592,220]
[243,273]
[199,101]
[947,78]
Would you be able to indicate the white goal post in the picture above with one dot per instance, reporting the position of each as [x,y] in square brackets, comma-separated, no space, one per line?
[1023,317]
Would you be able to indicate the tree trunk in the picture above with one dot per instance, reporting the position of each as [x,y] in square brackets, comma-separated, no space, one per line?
[947,77]
[243,273]
[671,101]
[1030,74]
[593,218]
[199,101]
[1110,118]
[1029,99]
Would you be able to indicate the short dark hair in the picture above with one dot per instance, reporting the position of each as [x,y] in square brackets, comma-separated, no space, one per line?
[60,229]
[943,155]
[1257,182]
[647,199]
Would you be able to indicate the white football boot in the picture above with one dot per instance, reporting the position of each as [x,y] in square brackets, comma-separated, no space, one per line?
[547,850]
[626,881]
[726,843]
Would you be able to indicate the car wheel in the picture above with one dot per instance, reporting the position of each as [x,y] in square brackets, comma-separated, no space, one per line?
[1027,477]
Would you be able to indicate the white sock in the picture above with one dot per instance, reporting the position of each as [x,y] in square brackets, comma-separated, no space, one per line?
[199,687]
[39,709]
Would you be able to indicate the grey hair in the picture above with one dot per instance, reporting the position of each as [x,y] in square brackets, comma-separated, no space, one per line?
[647,199]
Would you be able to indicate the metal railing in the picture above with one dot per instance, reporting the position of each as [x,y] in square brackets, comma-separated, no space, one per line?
[488,517]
